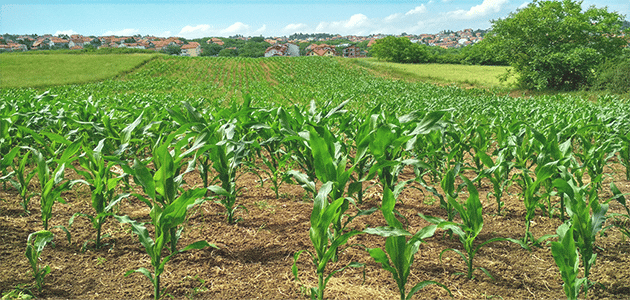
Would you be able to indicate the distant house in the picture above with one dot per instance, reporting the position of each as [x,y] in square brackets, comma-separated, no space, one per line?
[287,49]
[191,49]
[215,41]
[321,50]
[56,42]
[352,52]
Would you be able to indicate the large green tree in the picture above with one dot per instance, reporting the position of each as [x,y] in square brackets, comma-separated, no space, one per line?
[556,44]
[400,50]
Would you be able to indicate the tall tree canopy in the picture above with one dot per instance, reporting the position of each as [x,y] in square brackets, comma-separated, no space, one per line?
[400,50]
[556,44]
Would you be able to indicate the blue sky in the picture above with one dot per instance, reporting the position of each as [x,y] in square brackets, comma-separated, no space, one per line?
[195,18]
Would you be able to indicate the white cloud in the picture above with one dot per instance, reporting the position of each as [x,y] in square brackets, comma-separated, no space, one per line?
[392,18]
[205,30]
[192,29]
[124,32]
[165,34]
[236,28]
[481,10]
[260,30]
[357,24]
[294,28]
[66,32]
[418,10]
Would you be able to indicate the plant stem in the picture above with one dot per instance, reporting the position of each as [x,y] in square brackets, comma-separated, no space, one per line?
[321,286]
[156,287]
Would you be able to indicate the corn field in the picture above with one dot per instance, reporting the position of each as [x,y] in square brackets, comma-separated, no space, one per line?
[305,177]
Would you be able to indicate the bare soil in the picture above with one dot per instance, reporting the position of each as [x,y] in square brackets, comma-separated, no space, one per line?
[255,255]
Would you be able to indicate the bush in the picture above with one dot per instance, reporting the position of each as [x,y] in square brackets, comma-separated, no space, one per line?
[613,75]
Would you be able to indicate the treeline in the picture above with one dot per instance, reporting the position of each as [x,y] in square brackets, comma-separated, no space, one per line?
[549,45]
[402,50]
[232,47]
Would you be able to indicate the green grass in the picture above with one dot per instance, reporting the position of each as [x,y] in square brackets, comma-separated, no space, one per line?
[60,69]
[461,75]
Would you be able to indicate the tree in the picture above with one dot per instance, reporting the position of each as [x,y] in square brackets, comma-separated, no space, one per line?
[228,52]
[555,44]
[210,49]
[400,50]
[172,50]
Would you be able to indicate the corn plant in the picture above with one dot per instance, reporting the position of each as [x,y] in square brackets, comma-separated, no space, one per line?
[586,216]
[22,177]
[5,162]
[229,155]
[276,159]
[162,186]
[325,244]
[498,173]
[390,143]
[532,195]
[53,186]
[594,157]
[35,244]
[331,167]
[451,191]
[164,220]
[98,176]
[620,220]
[565,254]
[467,231]
[399,251]
[623,152]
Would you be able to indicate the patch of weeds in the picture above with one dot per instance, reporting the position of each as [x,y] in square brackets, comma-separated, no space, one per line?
[430,200]
[21,292]
[100,260]
[195,290]
[264,205]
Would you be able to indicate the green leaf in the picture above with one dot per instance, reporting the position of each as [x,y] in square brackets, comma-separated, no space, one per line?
[423,284]
[142,271]
[387,231]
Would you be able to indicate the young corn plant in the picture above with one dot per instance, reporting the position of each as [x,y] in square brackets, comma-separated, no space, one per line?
[467,231]
[399,250]
[586,216]
[594,157]
[331,167]
[565,254]
[274,157]
[229,155]
[620,220]
[532,195]
[98,176]
[392,141]
[35,244]
[498,173]
[451,191]
[164,220]
[325,244]
[7,161]
[22,180]
[53,186]
[623,152]
[162,186]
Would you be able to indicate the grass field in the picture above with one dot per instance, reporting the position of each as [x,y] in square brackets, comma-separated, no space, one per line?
[476,76]
[49,70]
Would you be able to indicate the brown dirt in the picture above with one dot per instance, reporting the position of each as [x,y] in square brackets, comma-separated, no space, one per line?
[255,256]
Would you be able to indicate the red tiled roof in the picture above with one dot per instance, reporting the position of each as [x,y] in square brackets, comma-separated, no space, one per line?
[191,45]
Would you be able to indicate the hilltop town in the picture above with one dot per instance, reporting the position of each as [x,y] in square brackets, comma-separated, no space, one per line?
[294,45]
